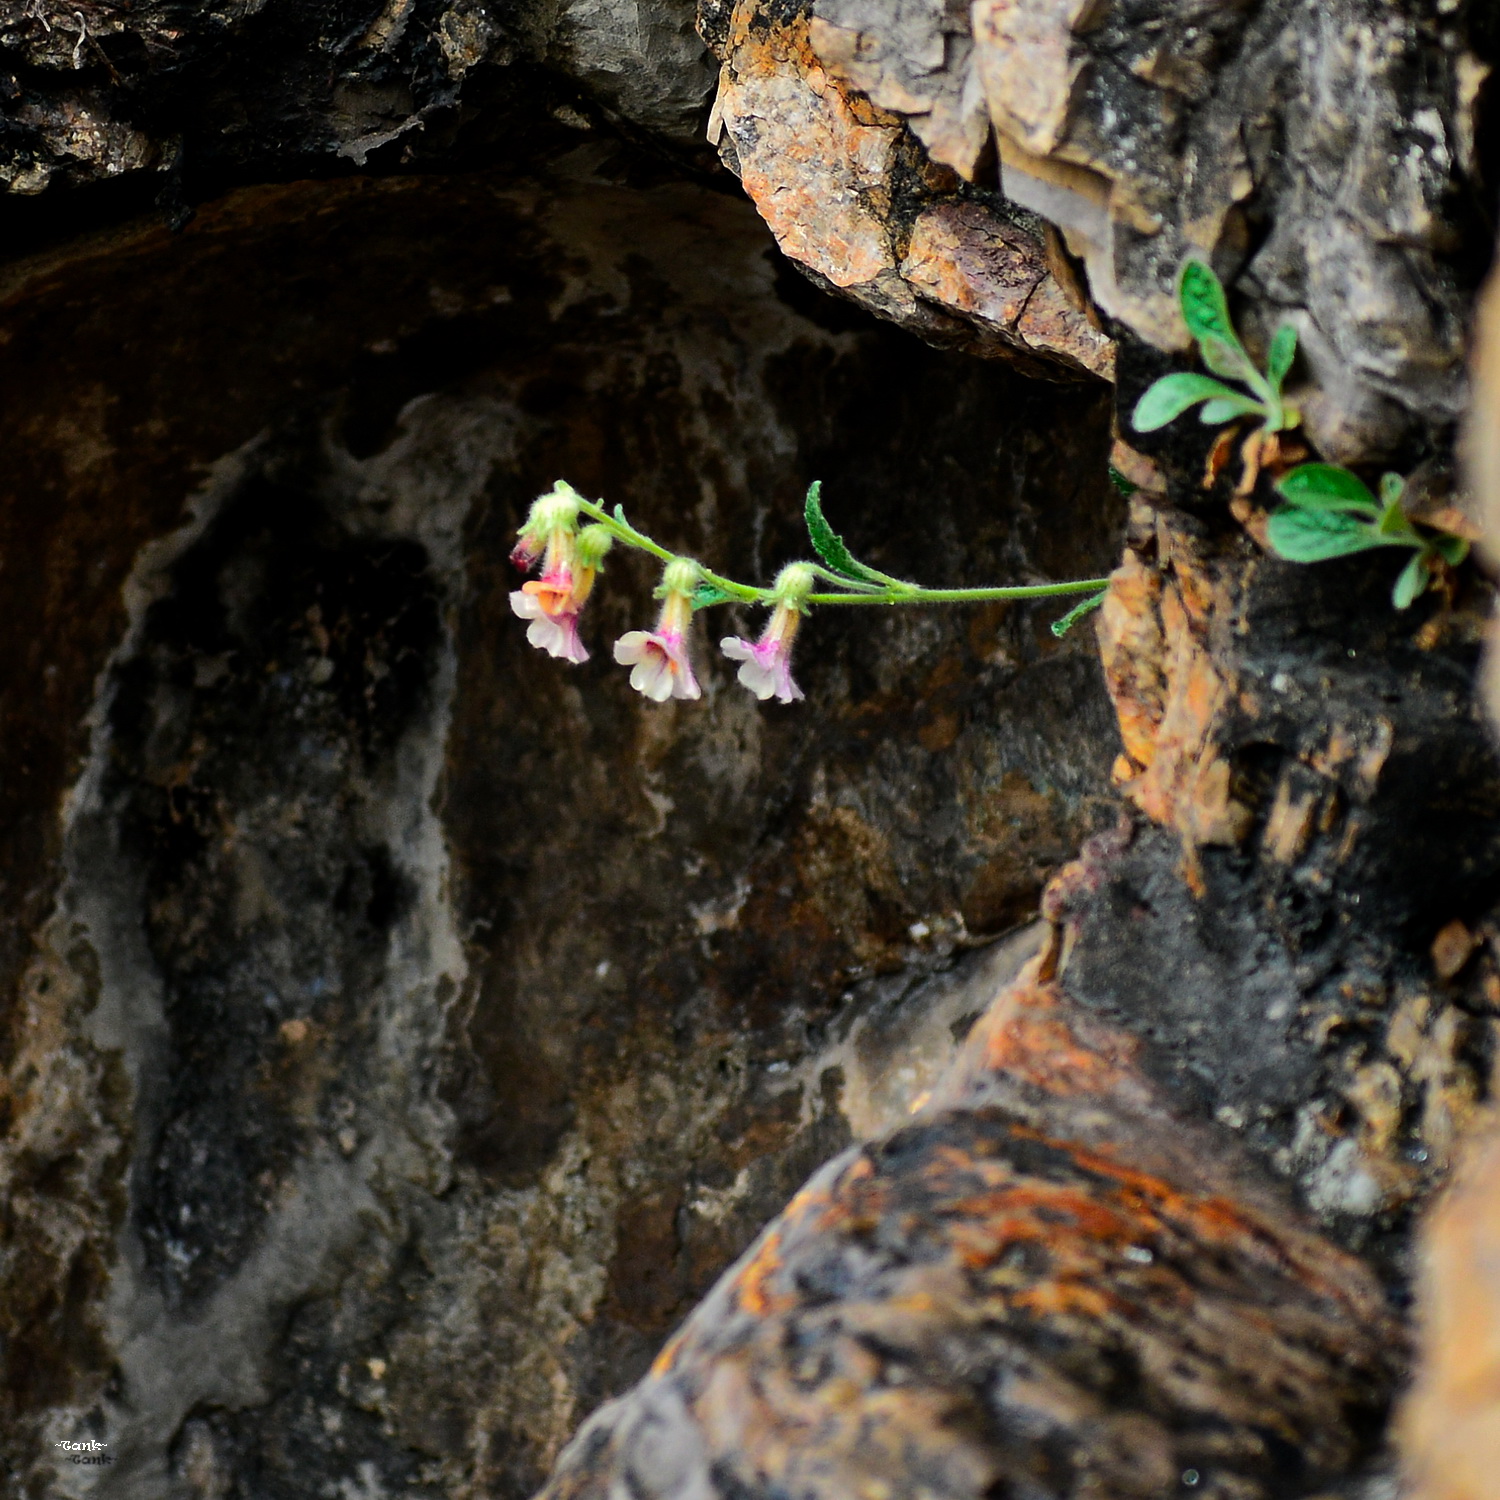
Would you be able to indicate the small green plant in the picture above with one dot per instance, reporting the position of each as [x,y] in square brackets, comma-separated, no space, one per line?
[1206,314]
[1329,512]
[571,555]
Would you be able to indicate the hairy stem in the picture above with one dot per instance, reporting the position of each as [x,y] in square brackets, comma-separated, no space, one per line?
[852,591]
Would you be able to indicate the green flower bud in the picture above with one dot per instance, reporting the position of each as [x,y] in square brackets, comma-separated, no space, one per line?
[593,542]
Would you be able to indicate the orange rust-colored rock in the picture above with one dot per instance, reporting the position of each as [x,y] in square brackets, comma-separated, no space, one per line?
[969,261]
[848,192]
[1171,692]
[1047,1283]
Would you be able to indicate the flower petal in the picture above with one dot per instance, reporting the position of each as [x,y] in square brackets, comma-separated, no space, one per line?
[653,676]
[760,679]
[631,647]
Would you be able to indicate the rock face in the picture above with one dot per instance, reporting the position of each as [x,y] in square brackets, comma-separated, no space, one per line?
[1303,145]
[1448,1426]
[416,1025]
[407,1029]
[1044,1283]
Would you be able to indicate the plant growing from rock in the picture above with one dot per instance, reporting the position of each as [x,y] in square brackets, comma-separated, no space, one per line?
[1330,512]
[569,537]
[1327,511]
[1206,313]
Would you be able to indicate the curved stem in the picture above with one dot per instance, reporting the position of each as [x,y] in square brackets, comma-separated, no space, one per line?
[618,527]
[745,592]
[853,590]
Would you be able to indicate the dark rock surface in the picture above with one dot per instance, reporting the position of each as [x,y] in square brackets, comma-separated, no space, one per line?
[412,1026]
[1046,1284]
[198,97]
[407,1029]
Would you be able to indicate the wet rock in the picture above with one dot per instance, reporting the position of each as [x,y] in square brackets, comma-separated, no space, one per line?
[1045,1283]
[413,1026]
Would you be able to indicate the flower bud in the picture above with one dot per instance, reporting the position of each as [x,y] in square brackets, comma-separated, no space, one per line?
[679,578]
[593,542]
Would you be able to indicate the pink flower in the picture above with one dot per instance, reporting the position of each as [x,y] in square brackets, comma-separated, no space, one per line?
[525,553]
[554,626]
[658,659]
[552,602]
[766,664]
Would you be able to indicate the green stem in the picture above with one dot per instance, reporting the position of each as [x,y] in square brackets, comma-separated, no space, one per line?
[895,592]
[911,594]
[618,527]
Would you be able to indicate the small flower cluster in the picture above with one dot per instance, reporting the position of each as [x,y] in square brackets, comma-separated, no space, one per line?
[570,554]
[658,659]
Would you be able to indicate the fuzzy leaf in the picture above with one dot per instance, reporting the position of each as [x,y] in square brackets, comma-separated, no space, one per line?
[1394,523]
[1412,582]
[1170,396]
[1229,360]
[1392,487]
[1306,536]
[1328,487]
[1226,408]
[828,544]
[1061,627]
[1279,358]
[1204,308]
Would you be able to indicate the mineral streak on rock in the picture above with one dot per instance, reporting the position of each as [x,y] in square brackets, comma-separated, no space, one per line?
[412,1027]
[850,194]
[1045,1284]
[1327,152]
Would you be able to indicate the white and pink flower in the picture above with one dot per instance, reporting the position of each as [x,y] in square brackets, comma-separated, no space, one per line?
[551,605]
[766,664]
[552,602]
[658,659]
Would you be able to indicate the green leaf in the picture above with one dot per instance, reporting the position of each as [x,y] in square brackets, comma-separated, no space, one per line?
[1170,396]
[1226,408]
[1125,486]
[1280,356]
[1206,313]
[706,594]
[828,544]
[1307,536]
[1392,487]
[1204,308]
[1394,523]
[1328,487]
[1061,627]
[1412,582]
[1452,549]
[1230,361]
